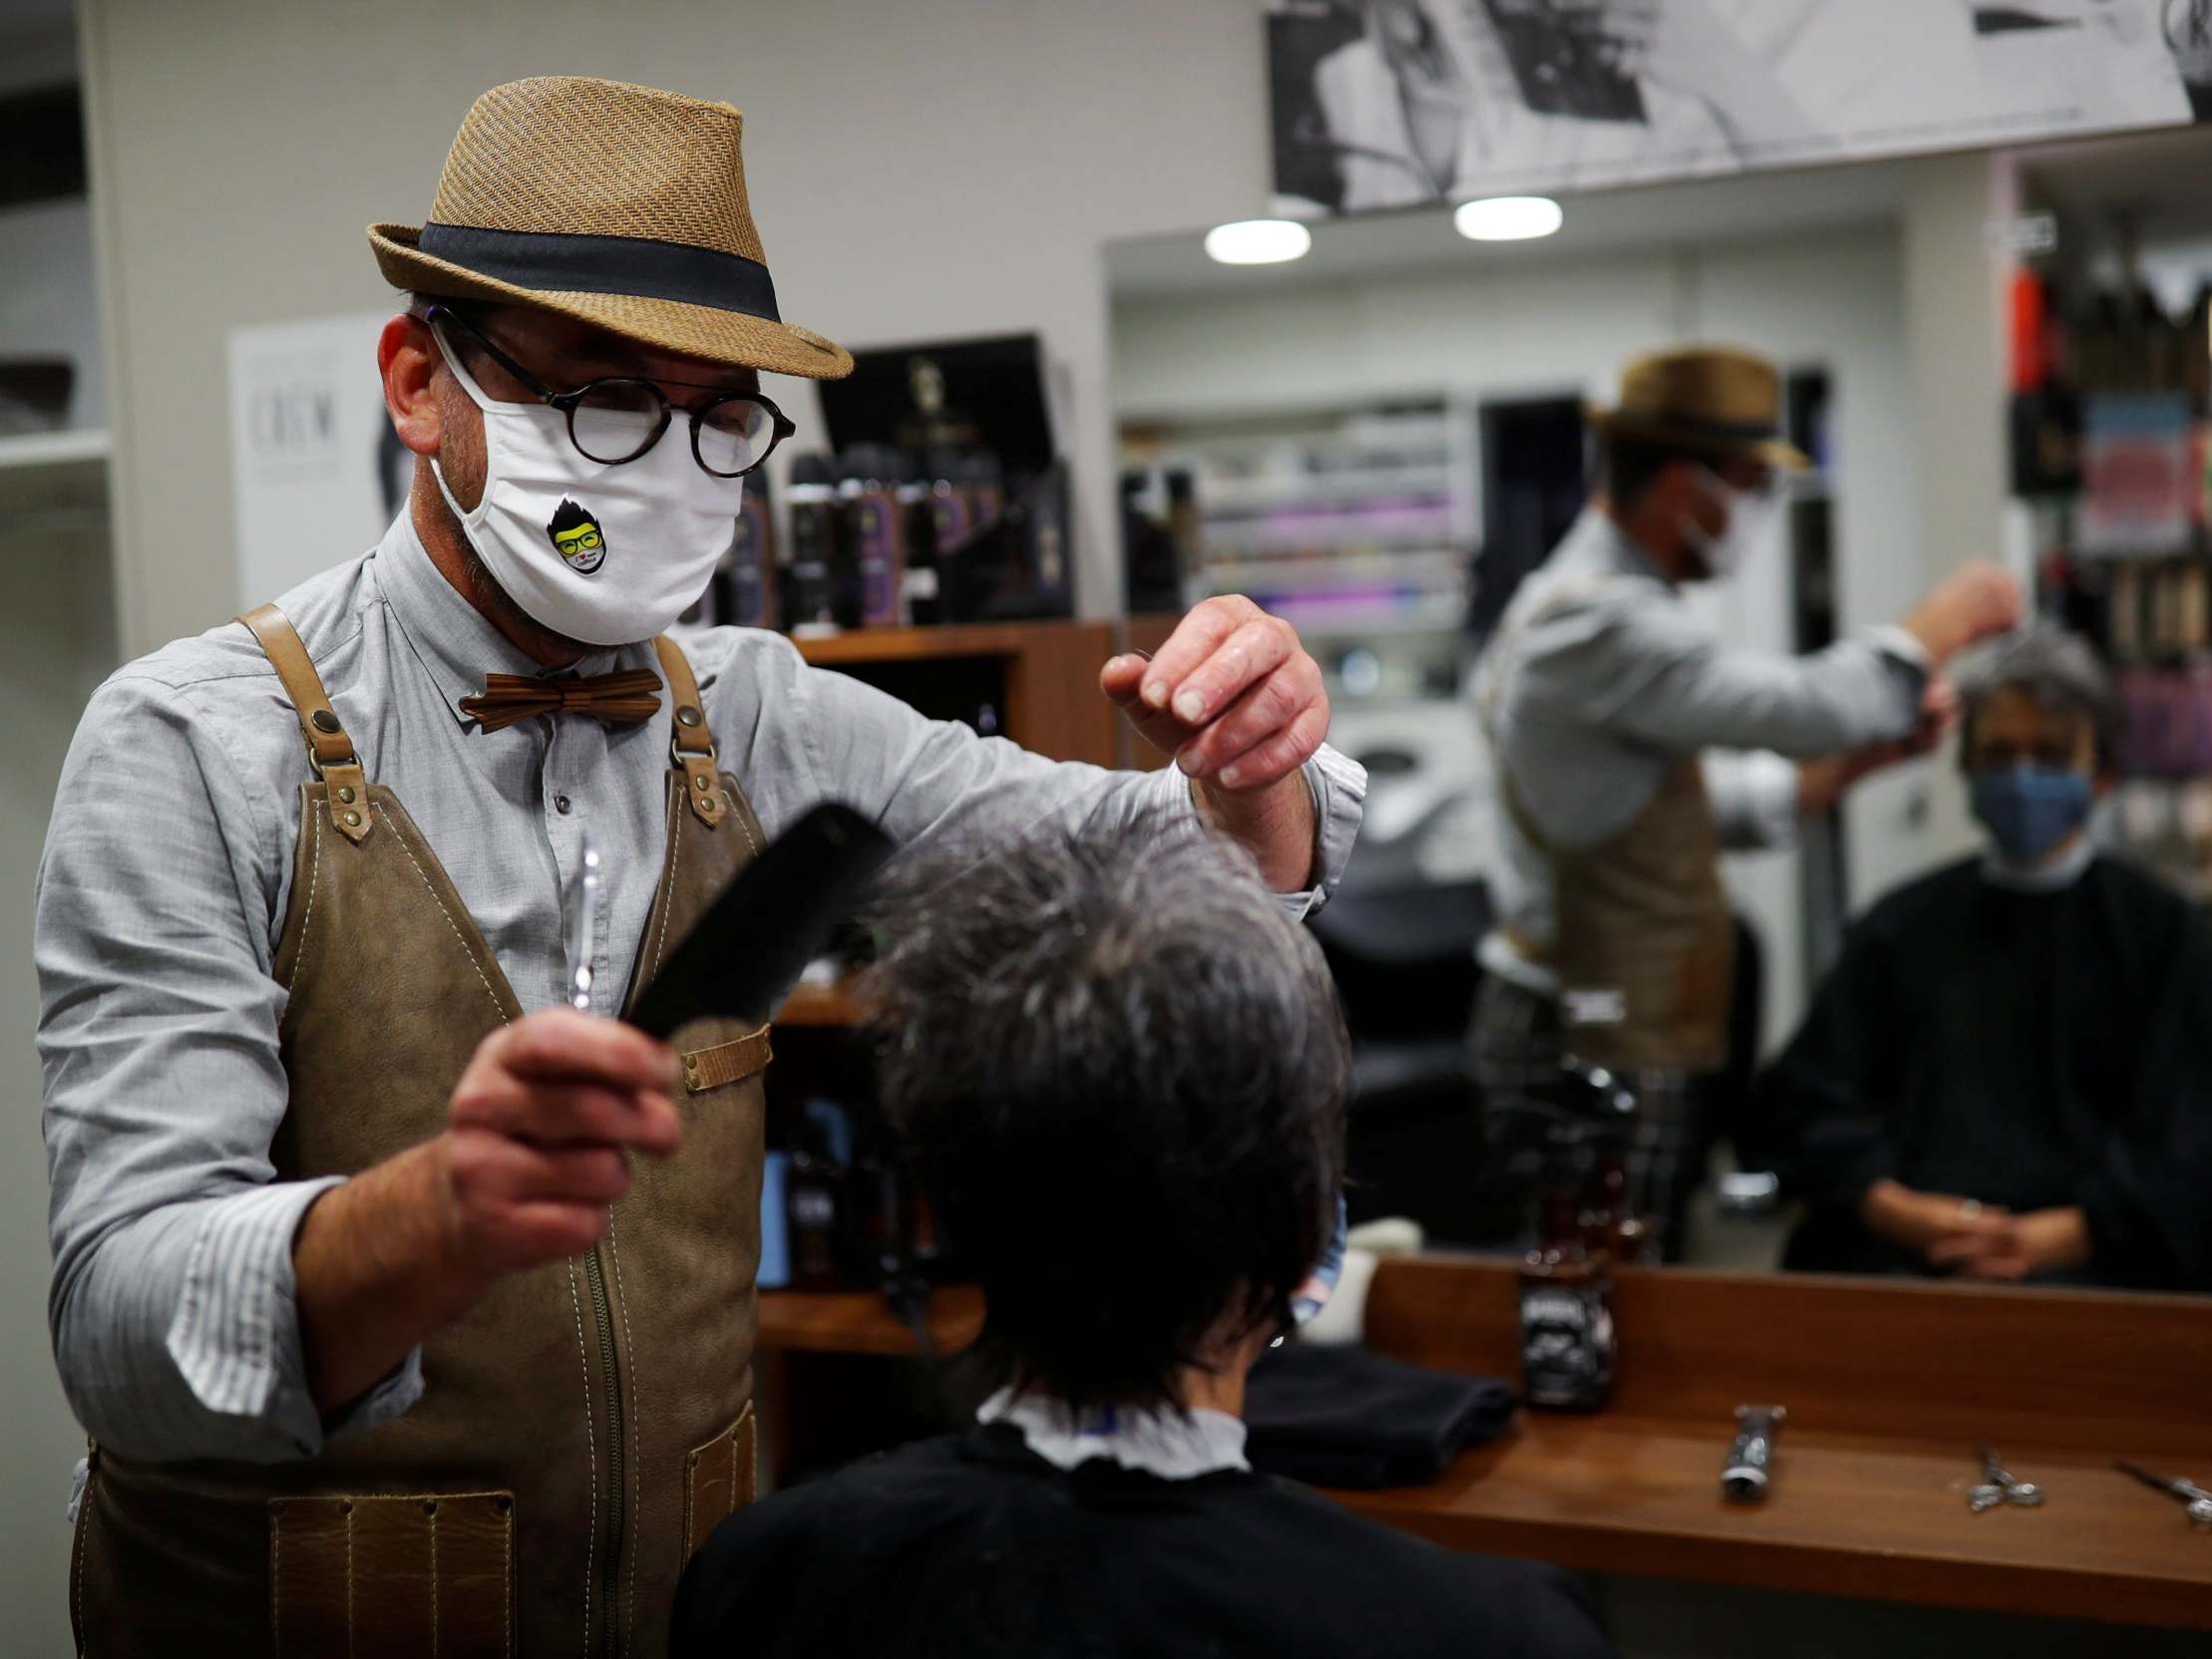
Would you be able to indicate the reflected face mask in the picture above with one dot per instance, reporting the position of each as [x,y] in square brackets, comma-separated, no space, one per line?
[2030,809]
[1752,517]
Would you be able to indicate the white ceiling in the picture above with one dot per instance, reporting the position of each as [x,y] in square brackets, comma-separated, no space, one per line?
[1608,222]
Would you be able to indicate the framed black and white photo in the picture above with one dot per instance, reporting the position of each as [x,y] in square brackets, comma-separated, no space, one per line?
[1380,104]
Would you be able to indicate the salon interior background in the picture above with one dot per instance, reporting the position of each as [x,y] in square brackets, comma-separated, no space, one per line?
[921,171]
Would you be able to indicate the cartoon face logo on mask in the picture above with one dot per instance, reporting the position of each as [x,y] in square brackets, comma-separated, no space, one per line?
[577,537]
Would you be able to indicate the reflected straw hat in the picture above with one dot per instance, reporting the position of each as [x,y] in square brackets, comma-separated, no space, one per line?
[618,205]
[1704,398]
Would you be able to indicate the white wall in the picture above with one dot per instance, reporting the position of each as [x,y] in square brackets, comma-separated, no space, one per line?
[1499,326]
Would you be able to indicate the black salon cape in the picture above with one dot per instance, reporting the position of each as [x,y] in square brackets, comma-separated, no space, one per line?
[2032,1050]
[972,1546]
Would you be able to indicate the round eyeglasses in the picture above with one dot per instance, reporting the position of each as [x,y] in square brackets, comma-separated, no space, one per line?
[620,418]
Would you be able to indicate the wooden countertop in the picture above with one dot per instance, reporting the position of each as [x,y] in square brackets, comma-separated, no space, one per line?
[1889,1386]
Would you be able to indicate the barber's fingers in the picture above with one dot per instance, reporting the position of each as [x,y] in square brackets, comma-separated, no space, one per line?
[1262,711]
[562,1043]
[1196,638]
[559,1113]
[1120,679]
[1279,756]
[1242,664]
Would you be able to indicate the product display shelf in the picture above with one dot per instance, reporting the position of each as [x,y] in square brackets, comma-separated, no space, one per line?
[54,471]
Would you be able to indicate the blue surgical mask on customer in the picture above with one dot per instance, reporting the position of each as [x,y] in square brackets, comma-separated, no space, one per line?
[2030,809]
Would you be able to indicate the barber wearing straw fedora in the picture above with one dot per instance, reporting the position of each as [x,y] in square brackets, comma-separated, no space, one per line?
[407,1307]
[1631,746]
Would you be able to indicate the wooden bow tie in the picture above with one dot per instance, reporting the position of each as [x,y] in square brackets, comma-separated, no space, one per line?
[624,699]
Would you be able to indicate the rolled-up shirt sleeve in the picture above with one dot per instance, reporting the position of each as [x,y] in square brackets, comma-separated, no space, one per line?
[924,780]
[1647,670]
[172,1308]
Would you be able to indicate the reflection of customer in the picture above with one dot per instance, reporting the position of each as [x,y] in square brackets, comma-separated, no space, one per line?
[2009,1072]
[1122,1073]
[1600,696]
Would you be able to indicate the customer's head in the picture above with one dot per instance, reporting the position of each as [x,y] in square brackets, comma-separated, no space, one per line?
[2039,726]
[1122,1072]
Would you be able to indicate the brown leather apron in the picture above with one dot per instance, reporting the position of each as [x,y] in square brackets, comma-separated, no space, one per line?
[1646,948]
[584,1425]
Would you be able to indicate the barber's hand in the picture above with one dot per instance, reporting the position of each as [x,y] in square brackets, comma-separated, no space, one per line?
[1232,695]
[1974,604]
[538,1135]
[1936,1228]
[2040,1241]
[1822,783]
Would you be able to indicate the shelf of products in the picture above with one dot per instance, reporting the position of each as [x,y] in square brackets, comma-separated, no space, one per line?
[2111,428]
[1357,521]
[821,1005]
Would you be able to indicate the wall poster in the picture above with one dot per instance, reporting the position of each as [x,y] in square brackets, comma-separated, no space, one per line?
[317,474]
[1395,103]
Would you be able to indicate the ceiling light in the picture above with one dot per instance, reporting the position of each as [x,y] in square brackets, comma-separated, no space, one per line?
[1257,241]
[1507,218]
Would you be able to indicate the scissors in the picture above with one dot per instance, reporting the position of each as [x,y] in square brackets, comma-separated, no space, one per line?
[579,927]
[1999,1487]
[2188,1491]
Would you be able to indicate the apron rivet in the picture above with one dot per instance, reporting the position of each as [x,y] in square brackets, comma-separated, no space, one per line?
[325,721]
[353,821]
[703,783]
[688,716]
[345,793]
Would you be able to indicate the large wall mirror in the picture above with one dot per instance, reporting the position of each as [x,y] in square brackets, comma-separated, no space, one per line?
[1381,439]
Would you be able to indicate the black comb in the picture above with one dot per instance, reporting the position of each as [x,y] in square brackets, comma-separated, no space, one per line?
[773,918]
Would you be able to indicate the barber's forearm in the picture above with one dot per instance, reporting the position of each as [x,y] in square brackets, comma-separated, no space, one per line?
[376,1275]
[1276,826]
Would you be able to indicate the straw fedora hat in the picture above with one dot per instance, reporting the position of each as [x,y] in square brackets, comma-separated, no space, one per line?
[615,204]
[1712,397]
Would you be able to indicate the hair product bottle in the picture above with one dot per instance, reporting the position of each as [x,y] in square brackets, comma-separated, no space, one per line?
[1567,1335]
[810,589]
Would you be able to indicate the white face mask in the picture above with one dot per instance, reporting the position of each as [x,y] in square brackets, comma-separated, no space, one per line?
[608,556]
[1751,526]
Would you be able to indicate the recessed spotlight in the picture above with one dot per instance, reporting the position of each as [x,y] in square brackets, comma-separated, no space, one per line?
[1257,241]
[1507,218]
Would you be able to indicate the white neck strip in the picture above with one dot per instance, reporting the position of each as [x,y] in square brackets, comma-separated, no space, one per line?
[2061,872]
[1162,1443]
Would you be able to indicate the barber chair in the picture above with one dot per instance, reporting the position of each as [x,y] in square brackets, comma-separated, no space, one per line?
[1400,943]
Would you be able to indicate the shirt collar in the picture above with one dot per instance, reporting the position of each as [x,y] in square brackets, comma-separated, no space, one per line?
[453,640]
[1166,1443]
[1601,544]
[2061,872]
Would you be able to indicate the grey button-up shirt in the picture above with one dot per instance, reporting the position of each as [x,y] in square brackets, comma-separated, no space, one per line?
[1597,680]
[164,887]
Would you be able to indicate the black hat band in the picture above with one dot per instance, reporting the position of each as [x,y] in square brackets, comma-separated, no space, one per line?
[1719,431]
[640,267]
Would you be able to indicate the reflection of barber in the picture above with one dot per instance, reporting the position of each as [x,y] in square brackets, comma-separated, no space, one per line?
[1600,693]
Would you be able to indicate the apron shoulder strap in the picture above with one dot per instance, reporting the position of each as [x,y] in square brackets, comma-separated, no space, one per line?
[330,750]
[690,745]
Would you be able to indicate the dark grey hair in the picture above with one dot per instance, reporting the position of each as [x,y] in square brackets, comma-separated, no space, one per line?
[1121,1071]
[2055,669]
